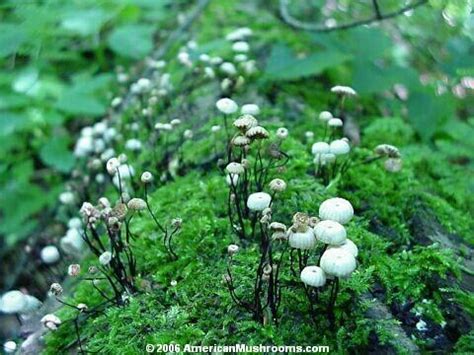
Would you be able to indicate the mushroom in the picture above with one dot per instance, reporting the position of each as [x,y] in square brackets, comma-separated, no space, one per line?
[313,276]
[258,201]
[336,209]
[330,232]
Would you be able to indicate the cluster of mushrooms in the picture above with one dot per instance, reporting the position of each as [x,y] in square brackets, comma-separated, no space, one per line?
[339,257]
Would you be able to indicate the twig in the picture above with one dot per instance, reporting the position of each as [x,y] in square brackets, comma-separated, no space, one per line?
[308,26]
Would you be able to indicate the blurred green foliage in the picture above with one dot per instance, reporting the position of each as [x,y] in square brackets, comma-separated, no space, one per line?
[58,60]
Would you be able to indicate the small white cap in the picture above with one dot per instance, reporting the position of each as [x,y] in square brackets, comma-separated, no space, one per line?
[232,249]
[235,168]
[277,185]
[9,347]
[51,321]
[330,232]
[335,122]
[349,246]
[133,144]
[325,116]
[228,68]
[49,254]
[66,198]
[72,243]
[74,223]
[339,147]
[320,148]
[136,204]
[258,201]
[13,302]
[250,109]
[241,46]
[338,262]
[336,209]
[112,165]
[313,276]
[105,257]
[146,177]
[226,106]
[282,132]
[302,240]
[343,90]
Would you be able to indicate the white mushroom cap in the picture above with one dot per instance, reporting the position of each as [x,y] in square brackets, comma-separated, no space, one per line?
[325,116]
[13,302]
[136,204]
[105,257]
[239,34]
[277,185]
[320,148]
[313,276]
[146,177]
[51,321]
[336,209]
[339,147]
[226,106]
[228,68]
[302,240]
[112,165]
[32,304]
[74,223]
[330,232]
[215,129]
[282,132]
[240,46]
[235,168]
[338,262]
[49,254]
[343,90]
[349,246]
[308,134]
[9,347]
[258,201]
[72,243]
[257,132]
[232,249]
[250,109]
[387,150]
[245,122]
[335,122]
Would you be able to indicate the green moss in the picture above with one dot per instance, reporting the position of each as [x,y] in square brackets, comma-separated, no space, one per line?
[388,130]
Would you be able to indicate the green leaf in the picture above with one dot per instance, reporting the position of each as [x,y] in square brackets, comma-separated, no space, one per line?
[284,65]
[370,78]
[78,103]
[11,38]
[84,22]
[11,122]
[363,43]
[56,154]
[428,112]
[133,41]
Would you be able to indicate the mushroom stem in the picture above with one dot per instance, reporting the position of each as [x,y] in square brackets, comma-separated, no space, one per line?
[332,302]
